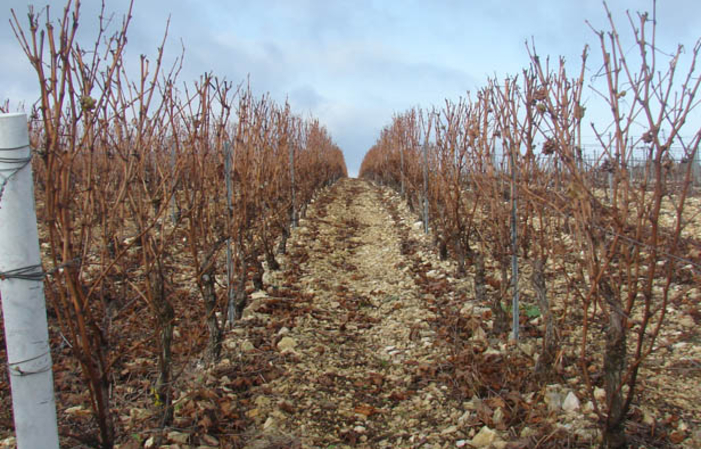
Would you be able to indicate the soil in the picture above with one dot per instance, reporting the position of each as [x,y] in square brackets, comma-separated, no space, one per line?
[353,375]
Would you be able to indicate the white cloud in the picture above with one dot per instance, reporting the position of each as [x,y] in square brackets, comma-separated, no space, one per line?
[353,63]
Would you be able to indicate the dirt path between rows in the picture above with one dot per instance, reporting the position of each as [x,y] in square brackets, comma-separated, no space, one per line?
[353,361]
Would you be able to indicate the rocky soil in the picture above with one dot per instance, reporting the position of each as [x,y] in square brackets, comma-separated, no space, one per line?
[353,363]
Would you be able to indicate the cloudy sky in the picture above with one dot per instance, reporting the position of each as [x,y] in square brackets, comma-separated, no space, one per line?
[354,63]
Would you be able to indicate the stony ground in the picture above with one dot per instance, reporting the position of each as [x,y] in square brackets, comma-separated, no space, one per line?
[370,342]
[352,366]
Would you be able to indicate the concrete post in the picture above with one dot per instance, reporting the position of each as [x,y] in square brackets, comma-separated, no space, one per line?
[22,293]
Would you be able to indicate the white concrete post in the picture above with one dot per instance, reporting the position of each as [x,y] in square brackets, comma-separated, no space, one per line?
[22,293]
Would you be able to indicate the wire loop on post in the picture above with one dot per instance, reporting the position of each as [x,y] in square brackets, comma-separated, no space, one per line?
[16,165]
[34,272]
[16,370]
[30,273]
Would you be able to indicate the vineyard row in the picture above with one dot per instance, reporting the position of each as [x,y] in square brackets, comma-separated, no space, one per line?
[159,203]
[500,179]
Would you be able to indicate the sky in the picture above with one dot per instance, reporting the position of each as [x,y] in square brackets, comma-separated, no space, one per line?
[353,64]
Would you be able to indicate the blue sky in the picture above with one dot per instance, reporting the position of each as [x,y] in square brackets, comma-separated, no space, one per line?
[353,64]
